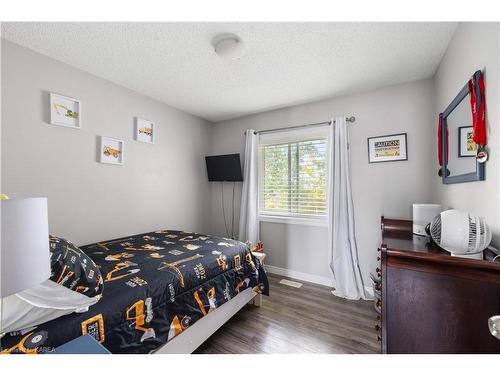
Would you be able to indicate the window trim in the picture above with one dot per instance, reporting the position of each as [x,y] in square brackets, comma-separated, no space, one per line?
[313,221]
[296,219]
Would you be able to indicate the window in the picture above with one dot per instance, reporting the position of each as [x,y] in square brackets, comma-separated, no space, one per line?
[293,177]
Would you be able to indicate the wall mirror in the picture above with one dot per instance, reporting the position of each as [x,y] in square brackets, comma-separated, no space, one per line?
[460,160]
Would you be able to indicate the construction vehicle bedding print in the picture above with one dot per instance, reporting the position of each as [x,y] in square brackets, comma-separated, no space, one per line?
[155,286]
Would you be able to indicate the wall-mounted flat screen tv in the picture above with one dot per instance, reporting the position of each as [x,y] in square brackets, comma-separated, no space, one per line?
[224,167]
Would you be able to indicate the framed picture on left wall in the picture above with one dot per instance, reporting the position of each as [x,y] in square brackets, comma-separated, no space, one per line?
[65,111]
[111,150]
[144,130]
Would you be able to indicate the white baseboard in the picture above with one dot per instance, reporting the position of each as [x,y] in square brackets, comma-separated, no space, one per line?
[322,280]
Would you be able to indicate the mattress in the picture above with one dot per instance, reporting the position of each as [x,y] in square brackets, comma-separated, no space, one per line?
[156,285]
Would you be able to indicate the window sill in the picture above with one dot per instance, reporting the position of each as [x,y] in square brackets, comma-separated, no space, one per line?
[306,221]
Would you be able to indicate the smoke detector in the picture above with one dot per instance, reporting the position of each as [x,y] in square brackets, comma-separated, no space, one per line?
[229,47]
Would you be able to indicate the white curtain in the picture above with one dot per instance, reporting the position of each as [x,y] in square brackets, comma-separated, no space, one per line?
[249,224]
[341,236]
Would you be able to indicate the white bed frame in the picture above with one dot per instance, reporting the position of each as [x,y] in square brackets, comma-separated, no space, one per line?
[187,341]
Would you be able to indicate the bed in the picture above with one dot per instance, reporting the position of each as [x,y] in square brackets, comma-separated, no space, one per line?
[164,291]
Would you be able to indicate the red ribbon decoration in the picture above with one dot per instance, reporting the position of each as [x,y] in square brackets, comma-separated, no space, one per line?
[477,103]
[440,139]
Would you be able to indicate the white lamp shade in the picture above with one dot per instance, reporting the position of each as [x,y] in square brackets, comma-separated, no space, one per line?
[24,246]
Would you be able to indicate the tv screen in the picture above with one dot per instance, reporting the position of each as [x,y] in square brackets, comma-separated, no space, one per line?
[224,167]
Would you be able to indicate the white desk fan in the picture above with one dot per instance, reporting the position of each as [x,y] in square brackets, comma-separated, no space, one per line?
[461,234]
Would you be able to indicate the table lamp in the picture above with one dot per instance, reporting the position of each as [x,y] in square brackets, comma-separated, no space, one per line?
[24,244]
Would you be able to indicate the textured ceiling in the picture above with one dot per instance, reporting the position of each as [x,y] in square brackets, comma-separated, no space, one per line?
[285,64]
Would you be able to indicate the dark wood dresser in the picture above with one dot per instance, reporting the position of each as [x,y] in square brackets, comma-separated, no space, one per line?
[429,301]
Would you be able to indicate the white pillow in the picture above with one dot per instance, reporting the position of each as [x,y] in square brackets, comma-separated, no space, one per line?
[40,304]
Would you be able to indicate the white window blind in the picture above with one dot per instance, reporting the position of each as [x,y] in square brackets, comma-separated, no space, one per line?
[293,178]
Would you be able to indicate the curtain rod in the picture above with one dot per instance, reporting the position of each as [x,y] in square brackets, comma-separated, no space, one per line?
[350,119]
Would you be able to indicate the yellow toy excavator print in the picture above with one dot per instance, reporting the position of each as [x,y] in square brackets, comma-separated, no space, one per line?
[64,111]
[147,131]
[136,314]
[110,151]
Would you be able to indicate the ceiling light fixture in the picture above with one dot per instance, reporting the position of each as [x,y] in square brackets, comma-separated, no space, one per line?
[228,47]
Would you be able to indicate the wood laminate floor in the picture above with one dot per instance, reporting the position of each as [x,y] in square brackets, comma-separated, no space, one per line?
[309,319]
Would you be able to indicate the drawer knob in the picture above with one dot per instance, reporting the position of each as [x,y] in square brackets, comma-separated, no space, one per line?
[378,258]
[379,338]
[377,328]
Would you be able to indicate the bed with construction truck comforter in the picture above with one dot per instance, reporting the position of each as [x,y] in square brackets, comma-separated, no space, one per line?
[155,286]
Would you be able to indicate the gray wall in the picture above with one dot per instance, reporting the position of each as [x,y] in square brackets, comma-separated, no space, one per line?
[474,46]
[378,189]
[159,186]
